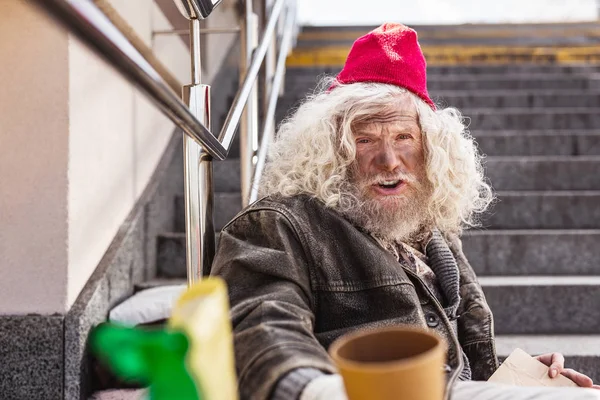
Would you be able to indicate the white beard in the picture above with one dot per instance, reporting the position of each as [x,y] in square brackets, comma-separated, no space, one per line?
[401,218]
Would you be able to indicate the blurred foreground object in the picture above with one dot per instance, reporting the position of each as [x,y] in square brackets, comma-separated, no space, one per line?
[377,364]
[190,359]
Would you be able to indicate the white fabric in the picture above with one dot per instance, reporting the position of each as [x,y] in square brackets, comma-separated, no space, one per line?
[147,306]
[331,387]
[121,394]
[325,387]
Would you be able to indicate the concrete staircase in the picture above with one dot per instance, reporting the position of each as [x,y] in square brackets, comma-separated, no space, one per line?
[537,256]
[538,253]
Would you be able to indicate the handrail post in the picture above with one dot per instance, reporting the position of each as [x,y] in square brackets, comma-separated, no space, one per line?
[249,121]
[199,227]
[269,69]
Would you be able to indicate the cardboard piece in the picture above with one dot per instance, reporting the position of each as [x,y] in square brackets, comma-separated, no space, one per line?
[520,369]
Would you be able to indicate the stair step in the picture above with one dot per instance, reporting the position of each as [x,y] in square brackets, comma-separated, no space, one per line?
[514,210]
[479,133]
[543,173]
[158,282]
[506,173]
[582,352]
[516,99]
[570,345]
[467,70]
[493,252]
[481,82]
[226,175]
[544,304]
[545,210]
[484,69]
[519,119]
[533,252]
[481,86]
[488,48]
[519,144]
[533,118]
[170,255]
[521,304]
[226,206]
[512,81]
[300,76]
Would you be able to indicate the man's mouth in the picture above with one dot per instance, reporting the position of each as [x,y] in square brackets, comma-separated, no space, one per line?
[389,187]
[392,184]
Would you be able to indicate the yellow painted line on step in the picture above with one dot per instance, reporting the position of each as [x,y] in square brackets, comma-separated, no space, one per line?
[459,34]
[449,55]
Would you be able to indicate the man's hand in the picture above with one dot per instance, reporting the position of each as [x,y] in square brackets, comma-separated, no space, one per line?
[556,362]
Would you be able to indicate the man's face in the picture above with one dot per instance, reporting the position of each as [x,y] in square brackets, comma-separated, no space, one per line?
[389,154]
[389,172]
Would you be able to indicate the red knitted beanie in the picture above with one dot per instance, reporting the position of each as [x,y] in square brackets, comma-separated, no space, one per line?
[389,54]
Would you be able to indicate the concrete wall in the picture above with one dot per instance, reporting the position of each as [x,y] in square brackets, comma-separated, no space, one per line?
[78,145]
[116,138]
[34,136]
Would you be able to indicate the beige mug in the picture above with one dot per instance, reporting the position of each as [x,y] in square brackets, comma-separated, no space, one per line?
[398,362]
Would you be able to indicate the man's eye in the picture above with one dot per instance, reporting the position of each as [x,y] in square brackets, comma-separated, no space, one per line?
[404,136]
[363,141]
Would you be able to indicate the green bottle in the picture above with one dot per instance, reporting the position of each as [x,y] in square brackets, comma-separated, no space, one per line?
[156,357]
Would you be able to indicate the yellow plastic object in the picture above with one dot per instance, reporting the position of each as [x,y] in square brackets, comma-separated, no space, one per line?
[202,313]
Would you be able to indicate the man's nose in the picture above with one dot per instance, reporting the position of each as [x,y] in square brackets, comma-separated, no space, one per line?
[387,158]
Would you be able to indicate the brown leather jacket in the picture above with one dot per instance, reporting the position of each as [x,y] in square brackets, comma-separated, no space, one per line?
[300,275]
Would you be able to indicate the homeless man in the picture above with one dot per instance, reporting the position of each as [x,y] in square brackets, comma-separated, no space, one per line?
[367,189]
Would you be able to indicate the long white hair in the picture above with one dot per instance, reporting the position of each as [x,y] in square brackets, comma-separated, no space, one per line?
[315,149]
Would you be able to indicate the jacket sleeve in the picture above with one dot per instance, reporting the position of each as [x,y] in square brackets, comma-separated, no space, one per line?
[267,269]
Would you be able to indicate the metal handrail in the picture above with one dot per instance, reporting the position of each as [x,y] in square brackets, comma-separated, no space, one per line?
[94,29]
[235,112]
[92,26]
[269,124]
